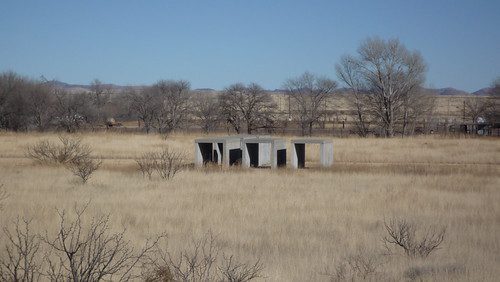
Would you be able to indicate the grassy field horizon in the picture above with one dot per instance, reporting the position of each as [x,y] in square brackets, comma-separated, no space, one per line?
[300,223]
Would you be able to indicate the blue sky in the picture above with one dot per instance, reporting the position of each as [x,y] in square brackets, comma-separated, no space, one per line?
[216,43]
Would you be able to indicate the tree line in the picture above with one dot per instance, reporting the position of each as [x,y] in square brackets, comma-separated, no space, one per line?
[384,81]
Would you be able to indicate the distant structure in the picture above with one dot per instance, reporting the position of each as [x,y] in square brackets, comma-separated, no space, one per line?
[299,152]
[258,151]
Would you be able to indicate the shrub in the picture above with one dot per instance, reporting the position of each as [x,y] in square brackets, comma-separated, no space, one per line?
[69,150]
[167,163]
[404,234]
[146,163]
[84,167]
[360,265]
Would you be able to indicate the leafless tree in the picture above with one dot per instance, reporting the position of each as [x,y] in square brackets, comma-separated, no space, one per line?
[73,110]
[13,112]
[348,72]
[22,258]
[143,104]
[173,99]
[247,106]
[101,94]
[403,234]
[206,109]
[477,107]
[389,73]
[40,105]
[91,252]
[309,97]
[363,265]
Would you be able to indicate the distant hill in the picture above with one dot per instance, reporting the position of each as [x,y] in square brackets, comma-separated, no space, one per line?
[483,92]
[448,91]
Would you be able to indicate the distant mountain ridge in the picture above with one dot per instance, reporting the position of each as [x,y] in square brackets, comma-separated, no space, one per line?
[448,91]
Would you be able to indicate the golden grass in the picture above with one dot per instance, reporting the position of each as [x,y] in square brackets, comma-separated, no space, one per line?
[298,222]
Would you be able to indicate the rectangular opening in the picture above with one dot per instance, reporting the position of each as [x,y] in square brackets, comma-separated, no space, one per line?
[253,153]
[281,157]
[206,152]
[234,156]
[300,150]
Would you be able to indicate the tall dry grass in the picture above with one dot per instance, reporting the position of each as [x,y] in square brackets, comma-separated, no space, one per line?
[298,222]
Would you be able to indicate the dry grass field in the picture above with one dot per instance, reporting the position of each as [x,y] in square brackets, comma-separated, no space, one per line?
[300,223]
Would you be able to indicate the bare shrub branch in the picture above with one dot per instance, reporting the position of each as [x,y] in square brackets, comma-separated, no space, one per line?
[234,271]
[168,163]
[21,259]
[403,234]
[70,149]
[91,252]
[146,164]
[360,265]
[84,167]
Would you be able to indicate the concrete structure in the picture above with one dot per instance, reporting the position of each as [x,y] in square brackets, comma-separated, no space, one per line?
[299,152]
[263,151]
[221,150]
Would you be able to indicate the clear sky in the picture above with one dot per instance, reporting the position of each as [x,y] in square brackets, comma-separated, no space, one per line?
[216,43]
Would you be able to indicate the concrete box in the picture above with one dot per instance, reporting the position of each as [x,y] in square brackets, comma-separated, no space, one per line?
[299,152]
[225,150]
[263,151]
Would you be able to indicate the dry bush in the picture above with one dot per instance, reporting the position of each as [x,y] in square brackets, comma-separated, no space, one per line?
[91,252]
[404,234]
[21,258]
[201,261]
[360,265]
[84,167]
[166,163]
[233,271]
[146,163]
[71,149]
[422,272]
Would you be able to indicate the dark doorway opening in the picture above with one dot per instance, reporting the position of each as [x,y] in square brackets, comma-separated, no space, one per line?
[234,156]
[253,153]
[281,158]
[206,152]
[300,149]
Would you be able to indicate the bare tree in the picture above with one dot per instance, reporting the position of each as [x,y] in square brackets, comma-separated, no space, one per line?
[348,72]
[100,97]
[22,258]
[389,73]
[248,106]
[40,105]
[93,253]
[13,112]
[206,109]
[309,97]
[143,104]
[73,110]
[173,100]
[477,107]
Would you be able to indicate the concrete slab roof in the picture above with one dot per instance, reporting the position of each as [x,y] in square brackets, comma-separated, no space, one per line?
[263,140]
[220,139]
[311,141]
